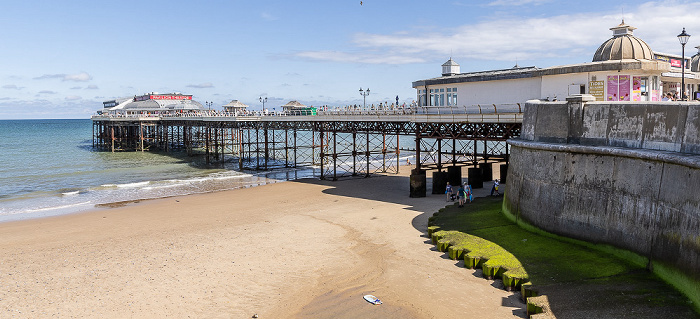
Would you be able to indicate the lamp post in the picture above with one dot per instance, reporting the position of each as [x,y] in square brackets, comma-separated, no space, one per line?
[364,94]
[263,102]
[683,38]
[209,104]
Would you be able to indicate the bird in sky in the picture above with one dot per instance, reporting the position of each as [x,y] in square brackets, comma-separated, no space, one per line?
[360,2]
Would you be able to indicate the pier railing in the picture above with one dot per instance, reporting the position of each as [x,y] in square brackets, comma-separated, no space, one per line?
[493,113]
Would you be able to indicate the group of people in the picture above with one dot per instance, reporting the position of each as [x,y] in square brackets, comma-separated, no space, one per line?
[674,97]
[463,193]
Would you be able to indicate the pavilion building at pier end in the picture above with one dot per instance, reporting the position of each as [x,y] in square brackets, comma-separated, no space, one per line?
[153,103]
[624,68]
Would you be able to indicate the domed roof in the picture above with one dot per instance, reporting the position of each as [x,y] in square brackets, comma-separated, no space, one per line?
[623,45]
[695,61]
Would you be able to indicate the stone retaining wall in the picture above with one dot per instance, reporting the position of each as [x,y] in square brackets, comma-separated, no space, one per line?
[625,174]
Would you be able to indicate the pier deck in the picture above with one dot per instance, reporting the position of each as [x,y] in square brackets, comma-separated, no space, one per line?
[341,142]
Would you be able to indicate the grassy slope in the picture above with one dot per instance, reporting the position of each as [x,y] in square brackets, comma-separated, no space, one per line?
[580,282]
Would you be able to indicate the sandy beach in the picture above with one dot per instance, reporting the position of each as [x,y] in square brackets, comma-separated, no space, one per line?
[305,249]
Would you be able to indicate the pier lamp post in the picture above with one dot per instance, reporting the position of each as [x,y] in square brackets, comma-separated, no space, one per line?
[263,102]
[683,38]
[209,104]
[364,94]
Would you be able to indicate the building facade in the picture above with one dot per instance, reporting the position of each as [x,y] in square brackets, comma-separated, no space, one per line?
[624,68]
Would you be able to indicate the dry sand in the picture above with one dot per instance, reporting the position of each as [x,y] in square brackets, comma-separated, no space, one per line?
[307,249]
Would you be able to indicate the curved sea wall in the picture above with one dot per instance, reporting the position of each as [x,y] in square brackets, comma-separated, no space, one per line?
[619,173]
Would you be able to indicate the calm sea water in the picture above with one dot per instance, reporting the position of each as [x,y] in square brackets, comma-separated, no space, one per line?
[48,167]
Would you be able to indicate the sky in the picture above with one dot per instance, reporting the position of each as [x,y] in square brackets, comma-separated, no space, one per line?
[62,59]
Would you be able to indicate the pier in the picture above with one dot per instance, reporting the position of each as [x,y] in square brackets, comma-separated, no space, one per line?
[342,142]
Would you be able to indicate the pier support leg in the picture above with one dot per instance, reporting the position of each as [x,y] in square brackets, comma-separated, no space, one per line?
[504,173]
[474,178]
[454,175]
[440,180]
[486,171]
[418,183]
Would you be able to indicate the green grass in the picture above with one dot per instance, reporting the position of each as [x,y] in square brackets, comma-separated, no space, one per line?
[552,263]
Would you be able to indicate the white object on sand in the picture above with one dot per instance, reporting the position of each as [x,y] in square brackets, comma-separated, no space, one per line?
[373,300]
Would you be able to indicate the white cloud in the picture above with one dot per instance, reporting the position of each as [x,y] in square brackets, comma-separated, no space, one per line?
[79,77]
[515,3]
[12,87]
[206,85]
[73,98]
[574,36]
[47,92]
[268,16]
[92,87]
[371,58]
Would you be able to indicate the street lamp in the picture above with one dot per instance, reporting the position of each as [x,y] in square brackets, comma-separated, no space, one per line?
[683,38]
[263,102]
[364,97]
[209,104]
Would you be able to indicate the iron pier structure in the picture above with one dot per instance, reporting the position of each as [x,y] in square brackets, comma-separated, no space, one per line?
[341,143]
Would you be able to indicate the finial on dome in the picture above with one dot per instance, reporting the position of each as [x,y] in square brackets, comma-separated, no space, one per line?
[622,29]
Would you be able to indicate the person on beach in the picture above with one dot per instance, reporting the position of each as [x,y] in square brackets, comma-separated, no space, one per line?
[462,194]
[448,192]
[470,194]
[494,189]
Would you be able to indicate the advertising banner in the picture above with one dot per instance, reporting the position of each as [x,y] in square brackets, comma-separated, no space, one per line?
[675,63]
[171,97]
[623,87]
[612,88]
[636,88]
[597,89]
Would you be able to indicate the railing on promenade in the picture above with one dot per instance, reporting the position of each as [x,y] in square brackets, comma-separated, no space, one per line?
[493,113]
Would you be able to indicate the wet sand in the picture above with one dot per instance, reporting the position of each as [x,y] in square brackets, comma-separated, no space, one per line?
[306,249]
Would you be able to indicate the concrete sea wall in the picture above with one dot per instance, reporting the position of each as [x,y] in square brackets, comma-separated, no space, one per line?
[619,173]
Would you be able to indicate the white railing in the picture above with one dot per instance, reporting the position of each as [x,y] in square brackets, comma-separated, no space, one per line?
[494,111]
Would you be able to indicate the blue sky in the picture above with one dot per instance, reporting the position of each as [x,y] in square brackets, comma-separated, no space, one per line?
[62,59]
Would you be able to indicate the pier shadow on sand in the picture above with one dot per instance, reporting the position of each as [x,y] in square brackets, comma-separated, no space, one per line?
[633,293]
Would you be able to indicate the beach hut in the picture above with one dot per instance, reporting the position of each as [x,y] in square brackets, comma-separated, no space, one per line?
[296,108]
[235,107]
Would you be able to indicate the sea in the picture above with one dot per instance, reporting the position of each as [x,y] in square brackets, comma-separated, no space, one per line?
[49,168]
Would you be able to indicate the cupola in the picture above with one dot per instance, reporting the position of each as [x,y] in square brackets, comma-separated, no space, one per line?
[450,68]
[623,45]
[695,61]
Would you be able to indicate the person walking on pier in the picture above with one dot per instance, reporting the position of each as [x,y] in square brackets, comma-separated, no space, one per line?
[449,193]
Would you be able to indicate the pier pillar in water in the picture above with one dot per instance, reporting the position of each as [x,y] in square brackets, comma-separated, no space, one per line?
[418,183]
[454,175]
[486,172]
[474,176]
[440,180]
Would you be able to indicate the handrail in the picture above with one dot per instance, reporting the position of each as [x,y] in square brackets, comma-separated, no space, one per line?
[335,111]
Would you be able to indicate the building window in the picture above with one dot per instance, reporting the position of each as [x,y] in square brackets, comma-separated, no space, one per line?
[451,96]
[422,98]
[437,97]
